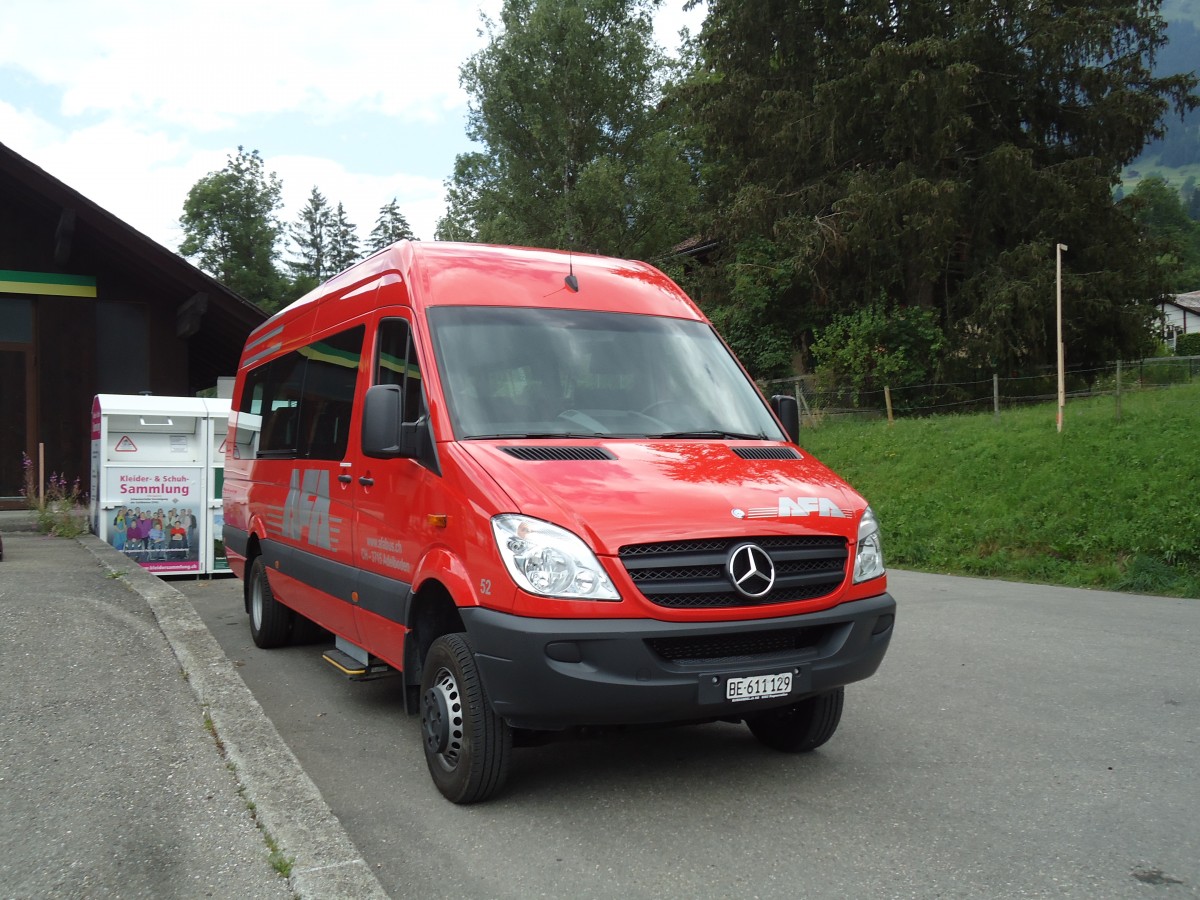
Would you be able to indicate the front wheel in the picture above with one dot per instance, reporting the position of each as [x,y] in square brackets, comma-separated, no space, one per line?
[802,726]
[270,620]
[467,746]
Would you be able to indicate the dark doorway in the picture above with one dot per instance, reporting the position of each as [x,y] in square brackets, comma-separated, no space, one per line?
[16,378]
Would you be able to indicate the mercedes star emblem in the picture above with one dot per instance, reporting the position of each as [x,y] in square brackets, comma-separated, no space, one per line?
[751,571]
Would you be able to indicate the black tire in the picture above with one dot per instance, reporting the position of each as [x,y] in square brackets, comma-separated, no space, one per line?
[306,631]
[270,620]
[467,746]
[802,726]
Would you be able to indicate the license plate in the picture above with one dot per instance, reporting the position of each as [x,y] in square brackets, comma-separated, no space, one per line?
[759,687]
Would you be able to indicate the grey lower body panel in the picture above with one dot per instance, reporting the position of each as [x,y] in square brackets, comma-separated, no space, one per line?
[554,674]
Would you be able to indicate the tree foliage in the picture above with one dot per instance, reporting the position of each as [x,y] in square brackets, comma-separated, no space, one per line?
[231,227]
[390,226]
[929,155]
[344,250]
[311,235]
[1168,231]
[872,348]
[579,152]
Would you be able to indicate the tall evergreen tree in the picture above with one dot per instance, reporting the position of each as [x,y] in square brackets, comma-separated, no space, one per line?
[391,226]
[930,154]
[343,242]
[578,150]
[311,235]
[231,227]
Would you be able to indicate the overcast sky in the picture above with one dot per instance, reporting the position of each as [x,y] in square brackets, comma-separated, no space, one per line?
[131,102]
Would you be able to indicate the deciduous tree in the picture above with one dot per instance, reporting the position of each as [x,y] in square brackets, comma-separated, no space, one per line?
[579,151]
[232,230]
[1168,231]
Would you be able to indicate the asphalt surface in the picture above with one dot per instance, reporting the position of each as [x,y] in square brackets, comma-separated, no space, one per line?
[1019,741]
[133,760]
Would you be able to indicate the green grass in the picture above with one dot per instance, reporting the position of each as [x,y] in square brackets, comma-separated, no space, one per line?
[1106,504]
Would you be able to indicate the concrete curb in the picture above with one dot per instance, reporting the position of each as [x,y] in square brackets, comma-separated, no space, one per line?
[326,864]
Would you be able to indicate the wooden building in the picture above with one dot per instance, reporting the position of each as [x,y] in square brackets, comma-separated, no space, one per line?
[89,305]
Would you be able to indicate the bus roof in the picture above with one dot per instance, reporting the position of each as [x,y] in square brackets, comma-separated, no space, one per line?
[459,274]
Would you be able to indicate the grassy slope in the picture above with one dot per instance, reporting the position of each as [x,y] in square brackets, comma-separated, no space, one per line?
[1105,504]
[1145,168]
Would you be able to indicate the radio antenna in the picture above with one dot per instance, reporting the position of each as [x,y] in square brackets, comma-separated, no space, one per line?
[571,281]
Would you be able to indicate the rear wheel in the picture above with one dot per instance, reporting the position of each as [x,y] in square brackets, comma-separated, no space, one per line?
[306,631]
[802,726]
[270,620]
[467,746]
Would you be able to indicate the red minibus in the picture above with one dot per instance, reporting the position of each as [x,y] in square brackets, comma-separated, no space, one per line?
[539,489]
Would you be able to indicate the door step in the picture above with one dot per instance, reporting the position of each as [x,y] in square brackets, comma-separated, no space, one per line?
[355,669]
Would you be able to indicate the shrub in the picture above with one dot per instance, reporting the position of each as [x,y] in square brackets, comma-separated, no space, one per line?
[58,507]
[874,347]
[1188,344]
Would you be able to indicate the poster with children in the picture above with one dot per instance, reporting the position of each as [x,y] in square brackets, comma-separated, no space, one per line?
[158,524]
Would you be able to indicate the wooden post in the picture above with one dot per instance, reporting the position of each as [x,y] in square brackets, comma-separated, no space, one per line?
[1118,390]
[887,398]
[41,474]
[996,396]
[803,401]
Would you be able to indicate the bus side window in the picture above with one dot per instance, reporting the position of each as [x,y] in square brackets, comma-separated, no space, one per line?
[273,391]
[327,403]
[396,363]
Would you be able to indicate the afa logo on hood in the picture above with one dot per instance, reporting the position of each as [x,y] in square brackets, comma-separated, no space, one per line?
[799,506]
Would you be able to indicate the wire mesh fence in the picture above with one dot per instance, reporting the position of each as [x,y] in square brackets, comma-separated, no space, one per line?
[820,401]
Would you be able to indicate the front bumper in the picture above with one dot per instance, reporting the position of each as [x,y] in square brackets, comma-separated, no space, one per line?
[551,674]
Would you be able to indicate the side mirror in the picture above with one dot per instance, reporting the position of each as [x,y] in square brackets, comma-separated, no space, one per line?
[788,411]
[382,414]
[385,434]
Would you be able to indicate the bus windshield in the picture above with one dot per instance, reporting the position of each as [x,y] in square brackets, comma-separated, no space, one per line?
[512,372]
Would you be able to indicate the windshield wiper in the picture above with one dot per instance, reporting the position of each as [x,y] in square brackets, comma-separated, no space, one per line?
[728,435]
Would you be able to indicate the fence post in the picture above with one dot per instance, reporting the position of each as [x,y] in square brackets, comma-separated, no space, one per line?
[802,400]
[996,396]
[887,398]
[1118,390]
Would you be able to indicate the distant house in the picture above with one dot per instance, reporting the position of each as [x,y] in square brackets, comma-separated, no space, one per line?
[90,305]
[1180,315]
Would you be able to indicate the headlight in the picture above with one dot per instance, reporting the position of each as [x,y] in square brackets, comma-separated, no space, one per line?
[547,560]
[868,561]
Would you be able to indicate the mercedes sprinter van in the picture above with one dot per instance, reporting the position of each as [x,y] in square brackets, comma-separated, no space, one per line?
[539,489]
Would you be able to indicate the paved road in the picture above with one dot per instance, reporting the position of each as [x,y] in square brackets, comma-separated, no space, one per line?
[110,784]
[1019,741]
